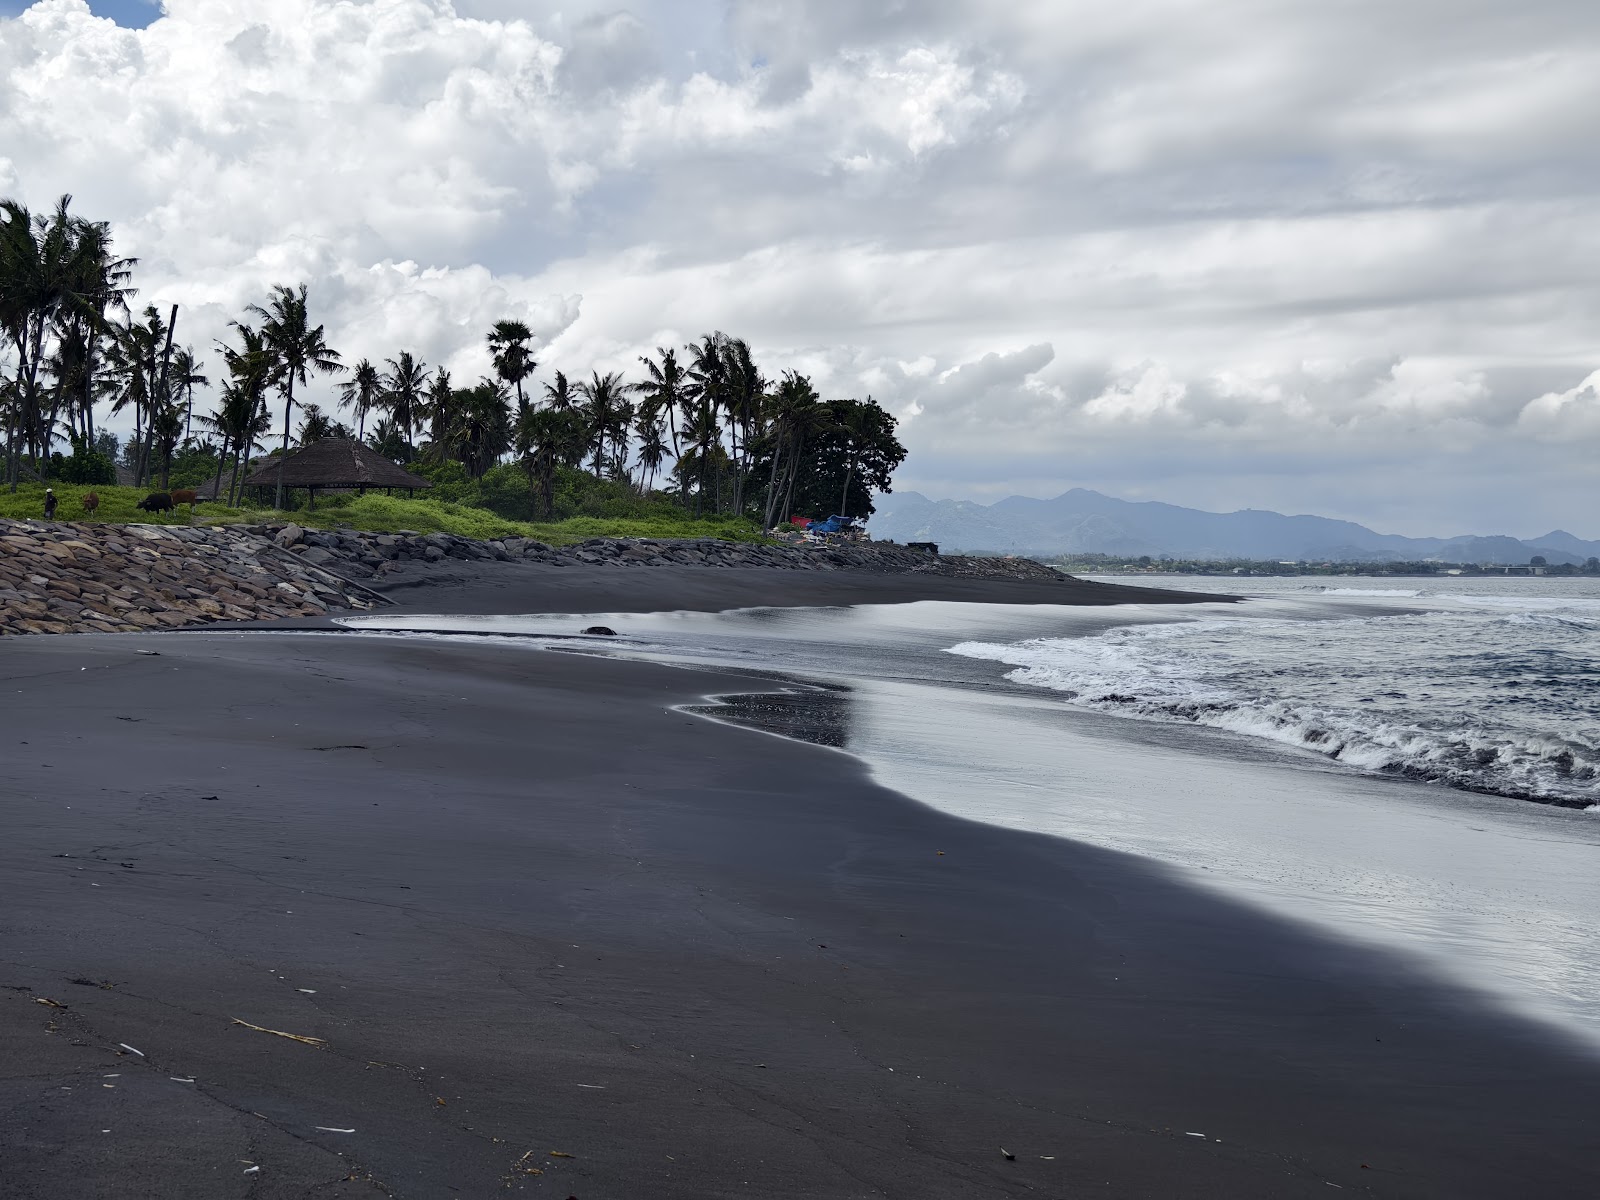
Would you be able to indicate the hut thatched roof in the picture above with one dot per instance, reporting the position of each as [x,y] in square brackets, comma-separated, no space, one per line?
[335,463]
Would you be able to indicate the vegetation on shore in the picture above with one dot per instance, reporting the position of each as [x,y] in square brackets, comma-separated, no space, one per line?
[372,512]
[723,440]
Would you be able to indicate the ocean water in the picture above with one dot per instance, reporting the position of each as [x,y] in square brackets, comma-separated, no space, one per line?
[1406,767]
[1485,685]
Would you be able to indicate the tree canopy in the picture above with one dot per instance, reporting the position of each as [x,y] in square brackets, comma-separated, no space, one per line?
[702,423]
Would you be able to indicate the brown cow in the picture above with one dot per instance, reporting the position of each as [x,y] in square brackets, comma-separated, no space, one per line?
[90,502]
[185,496]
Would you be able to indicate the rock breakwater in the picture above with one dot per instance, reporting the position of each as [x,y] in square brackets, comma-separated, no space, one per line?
[60,577]
[57,577]
[375,556]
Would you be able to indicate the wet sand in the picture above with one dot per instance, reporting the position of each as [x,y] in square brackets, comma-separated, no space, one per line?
[472,589]
[530,908]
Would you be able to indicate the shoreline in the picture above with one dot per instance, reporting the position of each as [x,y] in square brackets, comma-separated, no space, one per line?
[702,962]
[61,577]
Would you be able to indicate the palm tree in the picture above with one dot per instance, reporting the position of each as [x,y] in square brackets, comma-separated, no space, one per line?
[743,396]
[403,386]
[513,357]
[360,393]
[441,410]
[100,284]
[794,414]
[480,429]
[35,262]
[559,395]
[651,432]
[242,418]
[296,348]
[702,432]
[134,362]
[545,438]
[665,391]
[185,378]
[315,425]
[166,428]
[709,387]
[606,412]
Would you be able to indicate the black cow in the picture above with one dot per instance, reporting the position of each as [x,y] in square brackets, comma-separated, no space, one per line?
[156,502]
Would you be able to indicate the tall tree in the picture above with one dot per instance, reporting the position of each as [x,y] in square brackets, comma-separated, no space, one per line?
[35,259]
[795,413]
[560,395]
[405,384]
[545,438]
[440,404]
[242,417]
[134,365]
[607,411]
[480,429]
[58,280]
[651,431]
[297,348]
[315,425]
[664,390]
[510,346]
[186,376]
[360,393]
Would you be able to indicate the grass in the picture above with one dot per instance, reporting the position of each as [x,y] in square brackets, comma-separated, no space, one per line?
[117,506]
[375,513]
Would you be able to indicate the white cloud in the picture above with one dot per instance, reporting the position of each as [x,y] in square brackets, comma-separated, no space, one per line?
[1246,253]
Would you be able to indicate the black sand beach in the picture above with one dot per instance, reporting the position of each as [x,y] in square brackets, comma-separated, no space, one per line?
[529,908]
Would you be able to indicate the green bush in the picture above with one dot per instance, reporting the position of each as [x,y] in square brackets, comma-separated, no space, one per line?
[84,466]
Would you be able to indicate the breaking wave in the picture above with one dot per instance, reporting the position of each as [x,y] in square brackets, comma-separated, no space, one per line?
[1504,703]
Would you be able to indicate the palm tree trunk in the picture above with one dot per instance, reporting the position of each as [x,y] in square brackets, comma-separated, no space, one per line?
[772,484]
[288,406]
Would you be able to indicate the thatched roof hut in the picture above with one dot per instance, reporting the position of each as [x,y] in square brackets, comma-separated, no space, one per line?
[335,463]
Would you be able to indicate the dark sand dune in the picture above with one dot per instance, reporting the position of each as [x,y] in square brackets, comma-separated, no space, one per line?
[531,909]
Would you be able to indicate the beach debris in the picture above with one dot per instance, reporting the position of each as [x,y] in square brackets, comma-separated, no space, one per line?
[293,1037]
[601,631]
[564,1154]
[1007,1155]
[149,653]
[331,1129]
[599,1087]
[47,1002]
[251,1170]
[439,1100]
[1186,1133]
[131,1050]
[940,853]
[523,1167]
[179,1079]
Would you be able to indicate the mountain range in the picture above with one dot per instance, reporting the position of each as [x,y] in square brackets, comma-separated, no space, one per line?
[1086,522]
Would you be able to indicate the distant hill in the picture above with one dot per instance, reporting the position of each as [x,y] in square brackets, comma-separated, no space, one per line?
[1085,522]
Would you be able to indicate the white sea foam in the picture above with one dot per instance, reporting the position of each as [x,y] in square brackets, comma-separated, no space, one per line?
[1486,700]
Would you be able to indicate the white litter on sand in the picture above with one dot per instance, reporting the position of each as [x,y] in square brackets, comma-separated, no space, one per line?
[331,1129]
[130,1049]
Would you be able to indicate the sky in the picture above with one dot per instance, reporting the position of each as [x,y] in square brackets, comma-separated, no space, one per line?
[1332,258]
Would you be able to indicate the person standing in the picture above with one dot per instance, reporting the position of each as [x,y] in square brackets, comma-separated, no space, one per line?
[49,504]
